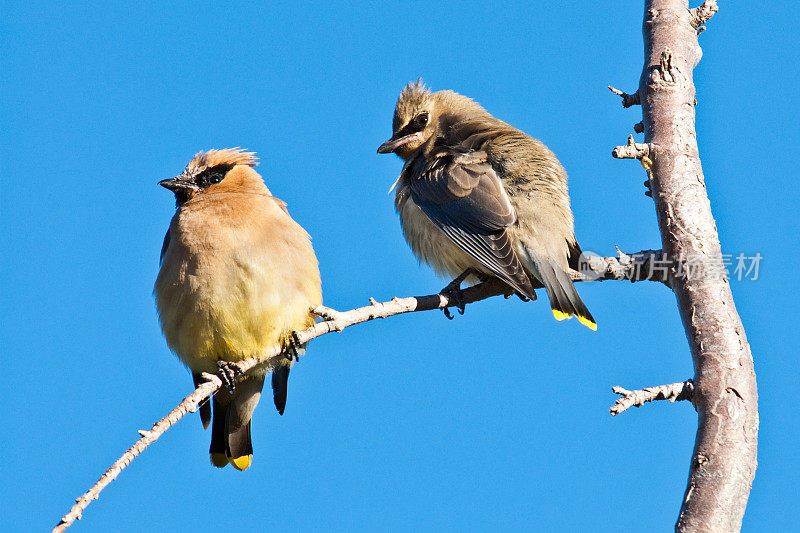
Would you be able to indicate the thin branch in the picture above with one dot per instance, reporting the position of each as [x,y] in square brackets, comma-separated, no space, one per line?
[673,392]
[702,14]
[632,150]
[628,100]
[335,321]
[647,265]
[189,404]
[606,268]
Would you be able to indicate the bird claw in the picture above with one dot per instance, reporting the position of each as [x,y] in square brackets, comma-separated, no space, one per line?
[292,352]
[447,314]
[228,372]
[454,291]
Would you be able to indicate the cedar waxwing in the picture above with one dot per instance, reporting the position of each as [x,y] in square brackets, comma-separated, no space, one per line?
[238,276]
[478,196]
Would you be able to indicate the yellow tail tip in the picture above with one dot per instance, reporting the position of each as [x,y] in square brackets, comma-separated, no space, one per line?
[219,460]
[588,323]
[561,315]
[240,463]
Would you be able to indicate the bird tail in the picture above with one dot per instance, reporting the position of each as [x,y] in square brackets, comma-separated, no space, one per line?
[230,426]
[280,381]
[564,299]
[205,406]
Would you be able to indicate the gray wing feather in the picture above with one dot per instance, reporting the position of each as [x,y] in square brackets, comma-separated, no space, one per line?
[463,196]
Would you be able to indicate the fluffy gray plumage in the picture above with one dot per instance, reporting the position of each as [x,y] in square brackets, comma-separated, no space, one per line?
[478,193]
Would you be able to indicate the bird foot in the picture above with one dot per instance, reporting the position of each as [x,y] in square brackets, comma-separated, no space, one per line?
[228,372]
[453,290]
[292,352]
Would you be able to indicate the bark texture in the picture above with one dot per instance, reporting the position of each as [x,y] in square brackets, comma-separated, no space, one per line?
[724,460]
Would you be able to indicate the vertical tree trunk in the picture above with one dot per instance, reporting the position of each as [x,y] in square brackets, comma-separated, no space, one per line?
[725,396]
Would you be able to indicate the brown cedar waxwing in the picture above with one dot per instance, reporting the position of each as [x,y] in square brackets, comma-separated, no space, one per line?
[477,197]
[238,276]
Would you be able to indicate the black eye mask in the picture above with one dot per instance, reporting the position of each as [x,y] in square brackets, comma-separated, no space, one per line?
[212,175]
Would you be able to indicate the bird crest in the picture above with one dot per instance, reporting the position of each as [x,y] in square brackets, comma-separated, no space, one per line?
[227,156]
[411,98]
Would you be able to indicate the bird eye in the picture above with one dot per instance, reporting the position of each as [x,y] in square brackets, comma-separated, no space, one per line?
[216,178]
[421,120]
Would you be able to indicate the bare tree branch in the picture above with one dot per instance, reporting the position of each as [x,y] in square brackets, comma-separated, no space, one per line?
[628,100]
[647,265]
[632,150]
[724,460]
[626,267]
[637,398]
[702,14]
[189,404]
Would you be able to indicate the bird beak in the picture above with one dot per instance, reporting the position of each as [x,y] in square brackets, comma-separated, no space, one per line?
[394,143]
[178,184]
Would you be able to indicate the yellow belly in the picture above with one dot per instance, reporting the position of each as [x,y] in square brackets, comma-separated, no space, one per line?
[205,322]
[230,302]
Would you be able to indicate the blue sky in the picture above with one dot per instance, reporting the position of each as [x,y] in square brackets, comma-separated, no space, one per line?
[496,420]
